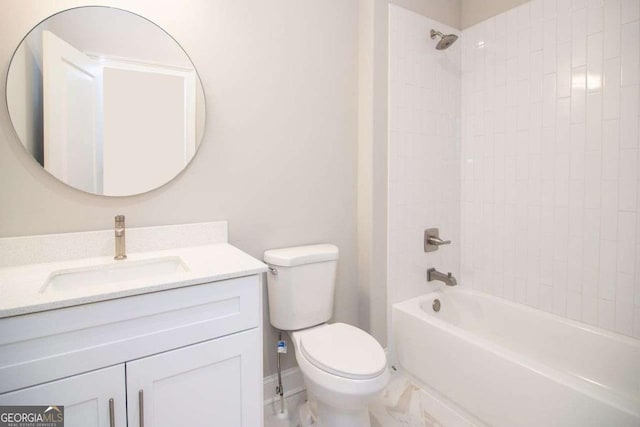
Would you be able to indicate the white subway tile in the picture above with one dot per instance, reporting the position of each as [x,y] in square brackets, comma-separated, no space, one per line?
[546,297]
[607,272]
[611,15]
[636,322]
[626,257]
[595,15]
[594,121]
[563,125]
[550,46]
[578,4]
[578,94]
[559,303]
[549,8]
[629,117]
[578,37]
[563,70]
[610,150]
[590,309]
[574,305]
[563,6]
[523,15]
[611,89]
[563,21]
[624,304]
[594,62]
[628,182]
[606,314]
[549,101]
[609,202]
[630,10]
[577,152]
[630,53]
[612,28]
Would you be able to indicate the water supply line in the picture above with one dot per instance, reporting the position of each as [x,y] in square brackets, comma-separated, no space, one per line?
[281,348]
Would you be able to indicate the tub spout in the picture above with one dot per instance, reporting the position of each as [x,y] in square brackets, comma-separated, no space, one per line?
[447,279]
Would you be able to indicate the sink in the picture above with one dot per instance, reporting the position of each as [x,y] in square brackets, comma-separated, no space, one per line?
[112,273]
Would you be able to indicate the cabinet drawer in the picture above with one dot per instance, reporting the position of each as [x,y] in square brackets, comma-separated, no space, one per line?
[87,337]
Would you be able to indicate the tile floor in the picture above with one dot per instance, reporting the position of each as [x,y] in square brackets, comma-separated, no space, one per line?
[401,404]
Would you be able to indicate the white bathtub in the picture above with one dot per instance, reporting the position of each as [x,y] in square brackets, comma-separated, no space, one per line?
[510,365]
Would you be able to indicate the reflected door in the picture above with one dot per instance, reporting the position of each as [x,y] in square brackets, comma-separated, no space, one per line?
[149,124]
[72,91]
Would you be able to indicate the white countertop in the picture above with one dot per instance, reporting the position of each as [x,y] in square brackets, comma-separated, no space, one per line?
[21,287]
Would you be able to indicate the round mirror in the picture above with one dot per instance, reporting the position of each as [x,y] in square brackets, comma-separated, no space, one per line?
[106,101]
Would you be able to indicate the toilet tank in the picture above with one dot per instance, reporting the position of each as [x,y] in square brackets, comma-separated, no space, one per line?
[300,283]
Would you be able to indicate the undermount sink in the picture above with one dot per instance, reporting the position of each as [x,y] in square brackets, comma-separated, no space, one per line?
[115,272]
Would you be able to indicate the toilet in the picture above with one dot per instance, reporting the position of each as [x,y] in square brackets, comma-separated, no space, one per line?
[343,366]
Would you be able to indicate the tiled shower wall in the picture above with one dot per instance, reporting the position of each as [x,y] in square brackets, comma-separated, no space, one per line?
[550,145]
[424,152]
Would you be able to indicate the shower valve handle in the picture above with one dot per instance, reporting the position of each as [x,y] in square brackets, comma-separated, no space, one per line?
[432,240]
[438,241]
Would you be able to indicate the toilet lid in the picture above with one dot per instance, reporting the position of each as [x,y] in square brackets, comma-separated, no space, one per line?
[344,350]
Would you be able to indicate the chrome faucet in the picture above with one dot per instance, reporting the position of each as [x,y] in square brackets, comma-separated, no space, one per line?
[447,279]
[121,251]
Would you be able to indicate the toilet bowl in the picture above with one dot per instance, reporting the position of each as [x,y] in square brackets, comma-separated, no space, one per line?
[343,369]
[343,366]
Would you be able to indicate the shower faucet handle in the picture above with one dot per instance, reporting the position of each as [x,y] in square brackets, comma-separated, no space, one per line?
[432,240]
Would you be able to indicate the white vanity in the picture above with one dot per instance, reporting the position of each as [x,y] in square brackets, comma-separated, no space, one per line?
[174,341]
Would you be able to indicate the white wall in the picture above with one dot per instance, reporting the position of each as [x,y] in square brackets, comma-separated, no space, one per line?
[424,144]
[278,159]
[372,165]
[550,159]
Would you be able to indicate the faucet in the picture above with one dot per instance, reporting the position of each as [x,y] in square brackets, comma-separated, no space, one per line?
[121,252]
[447,279]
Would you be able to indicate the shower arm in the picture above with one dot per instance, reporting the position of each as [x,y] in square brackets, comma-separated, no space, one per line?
[435,34]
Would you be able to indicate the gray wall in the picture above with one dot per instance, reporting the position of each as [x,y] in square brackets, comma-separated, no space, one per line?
[474,11]
[445,11]
[278,159]
[458,13]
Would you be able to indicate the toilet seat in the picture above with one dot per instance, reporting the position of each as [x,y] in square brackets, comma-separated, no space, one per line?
[344,350]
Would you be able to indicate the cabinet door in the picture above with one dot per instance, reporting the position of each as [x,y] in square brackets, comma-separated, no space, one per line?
[85,397]
[214,383]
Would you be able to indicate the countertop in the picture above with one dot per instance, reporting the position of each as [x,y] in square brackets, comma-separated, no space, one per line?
[22,288]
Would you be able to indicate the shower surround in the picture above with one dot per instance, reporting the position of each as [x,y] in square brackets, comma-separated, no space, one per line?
[424,152]
[550,159]
[520,142]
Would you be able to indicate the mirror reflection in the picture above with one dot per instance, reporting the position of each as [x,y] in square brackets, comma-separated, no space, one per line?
[106,101]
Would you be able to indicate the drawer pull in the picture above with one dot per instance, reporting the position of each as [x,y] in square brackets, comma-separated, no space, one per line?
[141,407]
[112,417]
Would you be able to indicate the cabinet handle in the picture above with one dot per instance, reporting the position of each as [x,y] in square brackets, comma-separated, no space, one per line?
[112,418]
[141,407]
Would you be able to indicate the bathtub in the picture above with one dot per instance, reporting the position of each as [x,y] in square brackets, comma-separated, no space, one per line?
[510,365]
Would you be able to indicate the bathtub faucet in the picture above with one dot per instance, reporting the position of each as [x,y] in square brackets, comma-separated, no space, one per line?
[448,279]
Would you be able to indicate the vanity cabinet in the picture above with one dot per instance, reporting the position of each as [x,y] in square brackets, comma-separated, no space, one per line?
[186,356]
[212,383]
[87,398]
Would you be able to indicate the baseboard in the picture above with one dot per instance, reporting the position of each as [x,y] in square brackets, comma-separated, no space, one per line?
[292,382]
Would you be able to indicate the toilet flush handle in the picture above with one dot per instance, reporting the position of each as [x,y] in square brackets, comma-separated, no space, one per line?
[273,270]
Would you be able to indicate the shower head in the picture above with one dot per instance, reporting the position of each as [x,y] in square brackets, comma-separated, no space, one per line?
[446,40]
